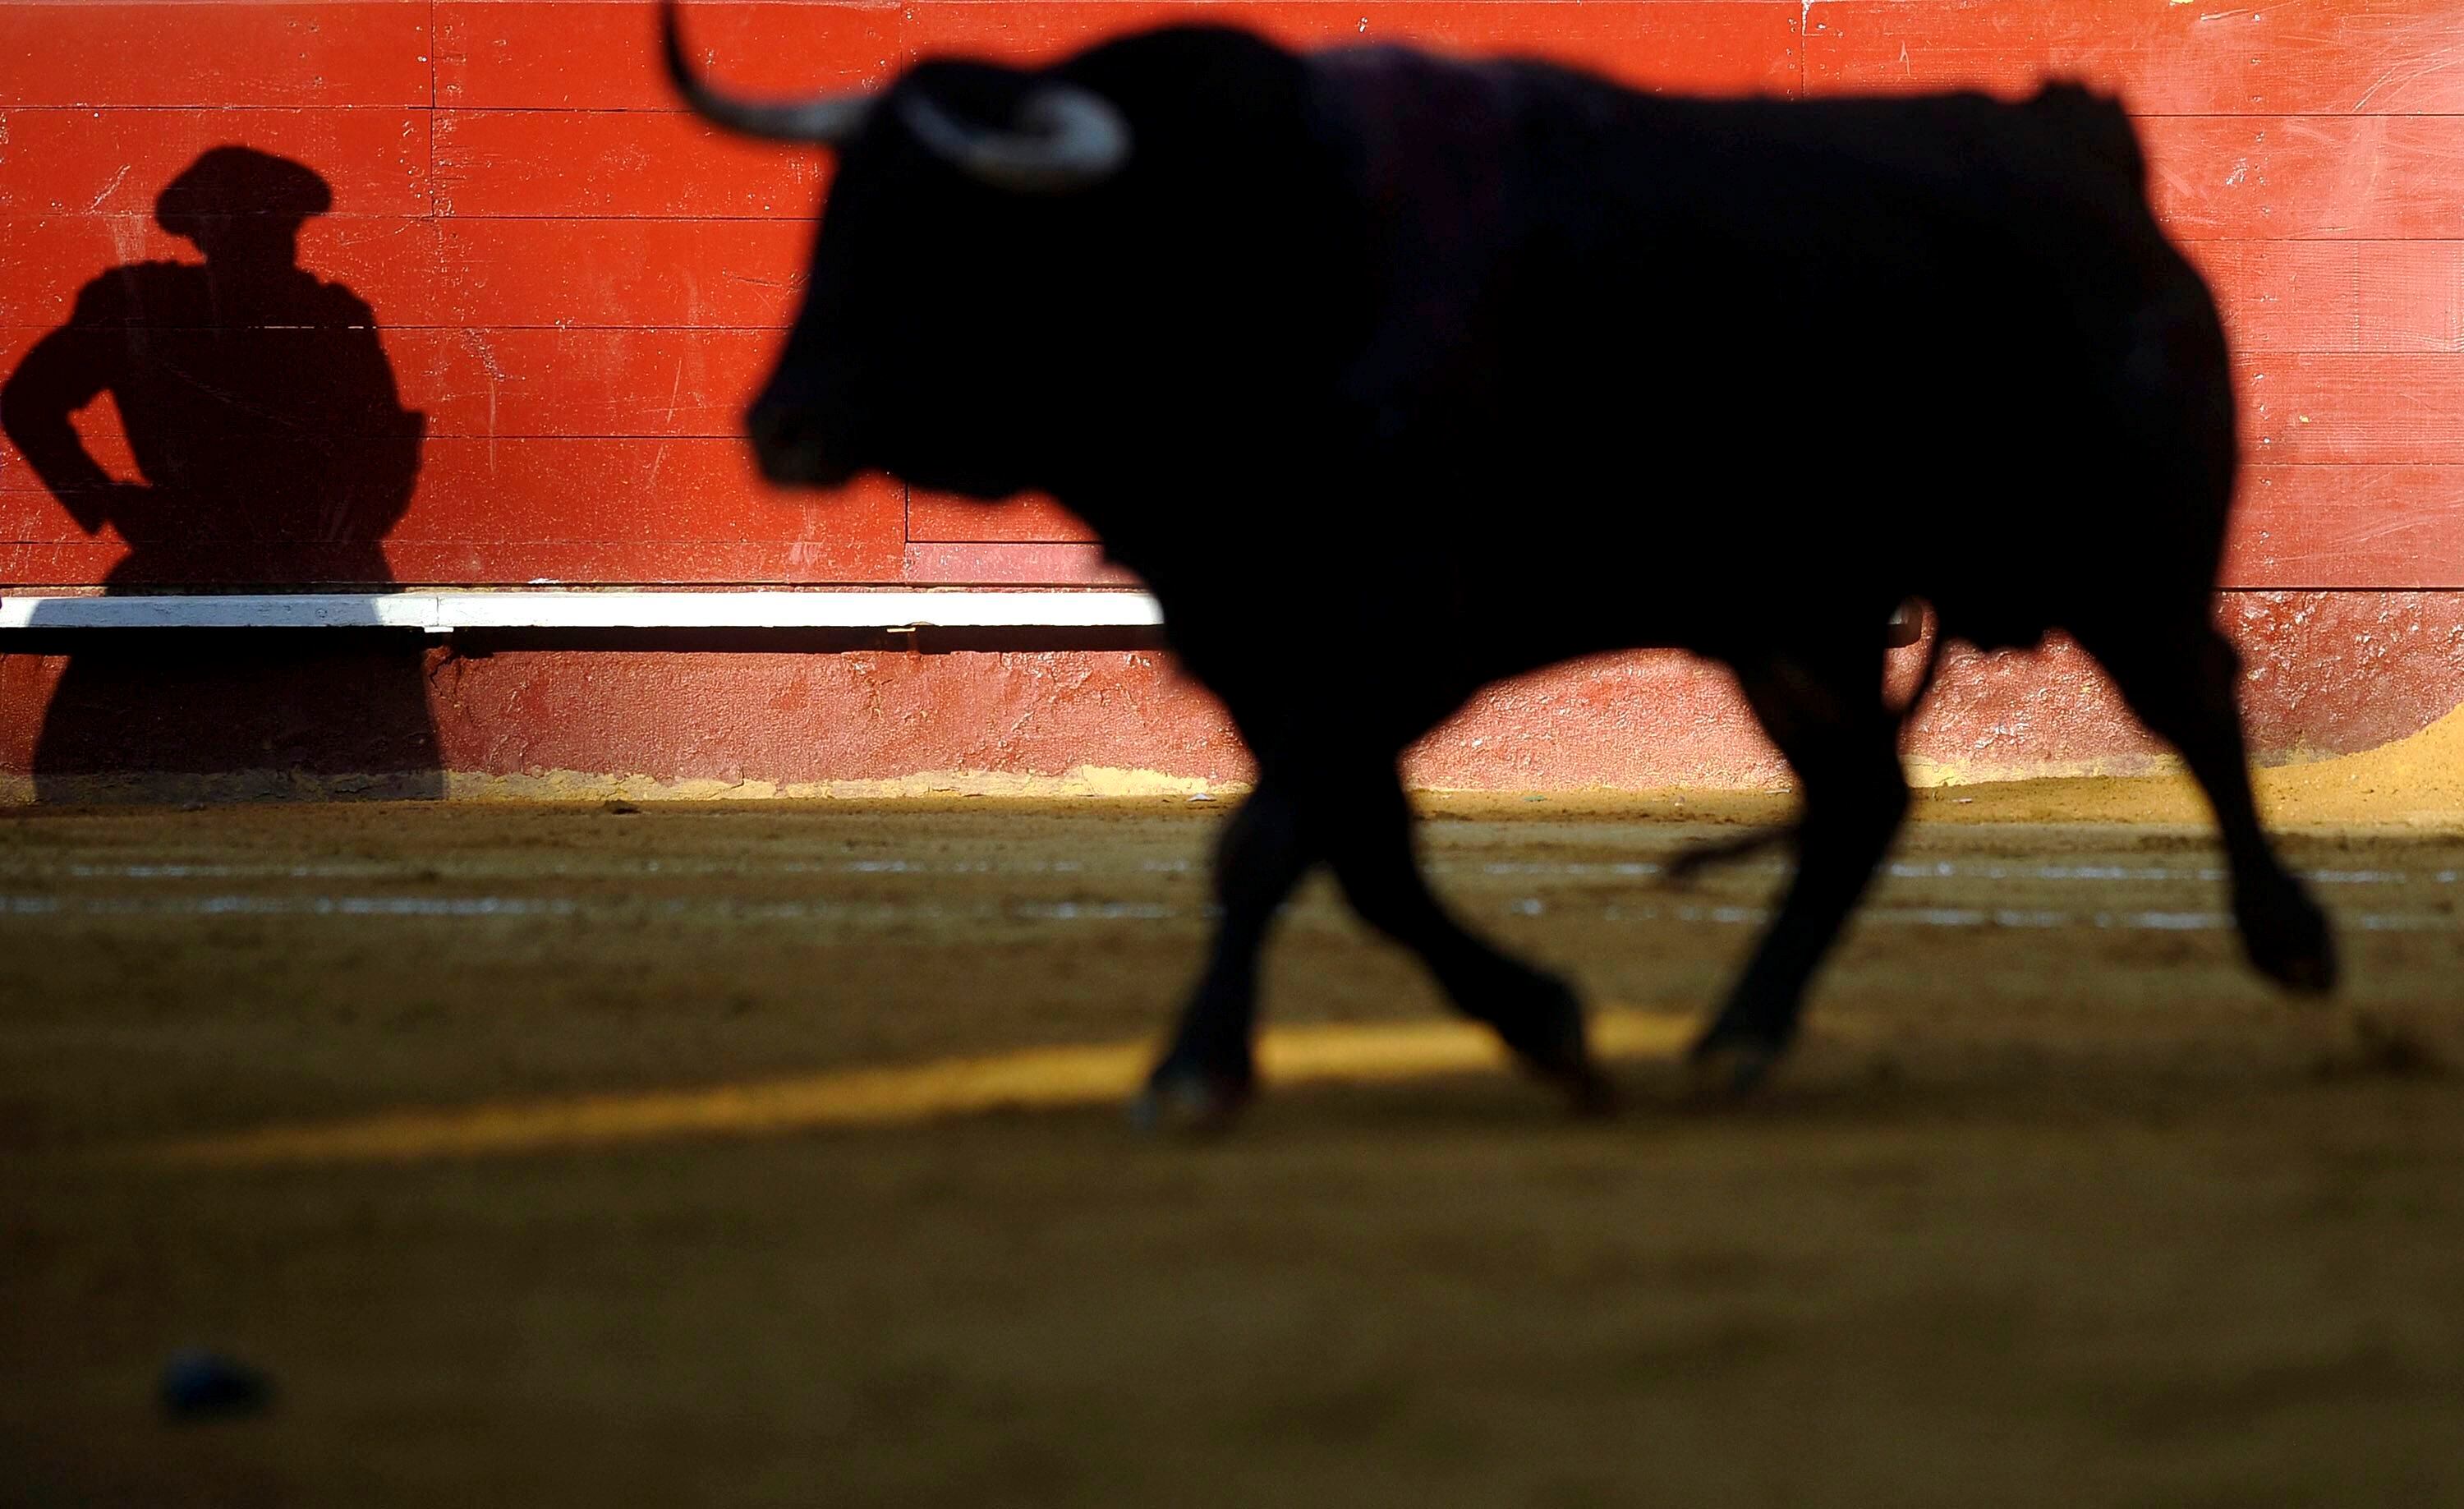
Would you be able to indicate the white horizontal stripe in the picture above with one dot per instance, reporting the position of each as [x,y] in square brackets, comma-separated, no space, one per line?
[443,612]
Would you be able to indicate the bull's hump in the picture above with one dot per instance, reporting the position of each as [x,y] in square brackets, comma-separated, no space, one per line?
[1424,131]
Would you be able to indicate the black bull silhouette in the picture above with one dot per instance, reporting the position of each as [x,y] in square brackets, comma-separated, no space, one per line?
[1394,376]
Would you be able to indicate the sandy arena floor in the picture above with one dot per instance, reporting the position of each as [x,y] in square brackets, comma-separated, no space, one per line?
[758,1154]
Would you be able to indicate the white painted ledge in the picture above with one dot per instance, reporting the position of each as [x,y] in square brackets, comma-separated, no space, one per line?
[444,613]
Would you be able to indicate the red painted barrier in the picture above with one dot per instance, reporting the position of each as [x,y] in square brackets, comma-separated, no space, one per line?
[579,286]
[333,714]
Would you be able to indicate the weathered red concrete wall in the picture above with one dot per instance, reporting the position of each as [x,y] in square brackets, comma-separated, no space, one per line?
[2327,673]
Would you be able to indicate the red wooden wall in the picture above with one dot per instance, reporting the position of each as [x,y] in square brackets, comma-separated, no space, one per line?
[579,286]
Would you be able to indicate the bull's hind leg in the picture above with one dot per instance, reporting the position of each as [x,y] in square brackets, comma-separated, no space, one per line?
[2179,679]
[1830,720]
[1362,825]
[1369,840]
[1209,1072]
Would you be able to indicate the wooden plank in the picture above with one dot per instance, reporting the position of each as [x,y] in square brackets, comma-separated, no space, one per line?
[937,565]
[487,273]
[946,518]
[547,55]
[2286,296]
[2298,407]
[690,510]
[97,424]
[1723,47]
[1709,46]
[2409,297]
[507,499]
[706,274]
[2348,527]
[619,163]
[2278,296]
[25,566]
[211,471]
[668,563]
[583,382]
[158,53]
[2308,177]
[2318,407]
[2314,526]
[426,564]
[388,261]
[2326,295]
[556,54]
[14,341]
[646,491]
[118,162]
[322,374]
[505,384]
[2290,57]
[206,564]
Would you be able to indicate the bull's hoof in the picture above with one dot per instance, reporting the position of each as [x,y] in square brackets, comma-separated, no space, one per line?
[1728,1066]
[1567,1069]
[1550,1042]
[1187,1102]
[1589,1093]
[2292,944]
[2309,973]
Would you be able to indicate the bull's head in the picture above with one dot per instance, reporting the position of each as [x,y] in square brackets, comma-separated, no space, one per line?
[1131,259]
[920,349]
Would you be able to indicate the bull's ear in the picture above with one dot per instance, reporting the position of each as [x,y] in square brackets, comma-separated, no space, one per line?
[824,121]
[1065,138]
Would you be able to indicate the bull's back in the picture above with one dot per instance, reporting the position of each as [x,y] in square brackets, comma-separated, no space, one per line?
[1904,344]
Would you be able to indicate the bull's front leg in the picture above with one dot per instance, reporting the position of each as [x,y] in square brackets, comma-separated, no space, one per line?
[1210,1070]
[1368,836]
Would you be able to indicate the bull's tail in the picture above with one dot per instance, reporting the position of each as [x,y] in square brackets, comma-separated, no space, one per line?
[1683,868]
[1925,672]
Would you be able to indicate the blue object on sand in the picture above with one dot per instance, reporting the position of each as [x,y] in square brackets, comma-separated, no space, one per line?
[201,1385]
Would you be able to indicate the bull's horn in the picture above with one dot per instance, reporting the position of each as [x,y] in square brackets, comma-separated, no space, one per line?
[1067,138]
[827,121]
